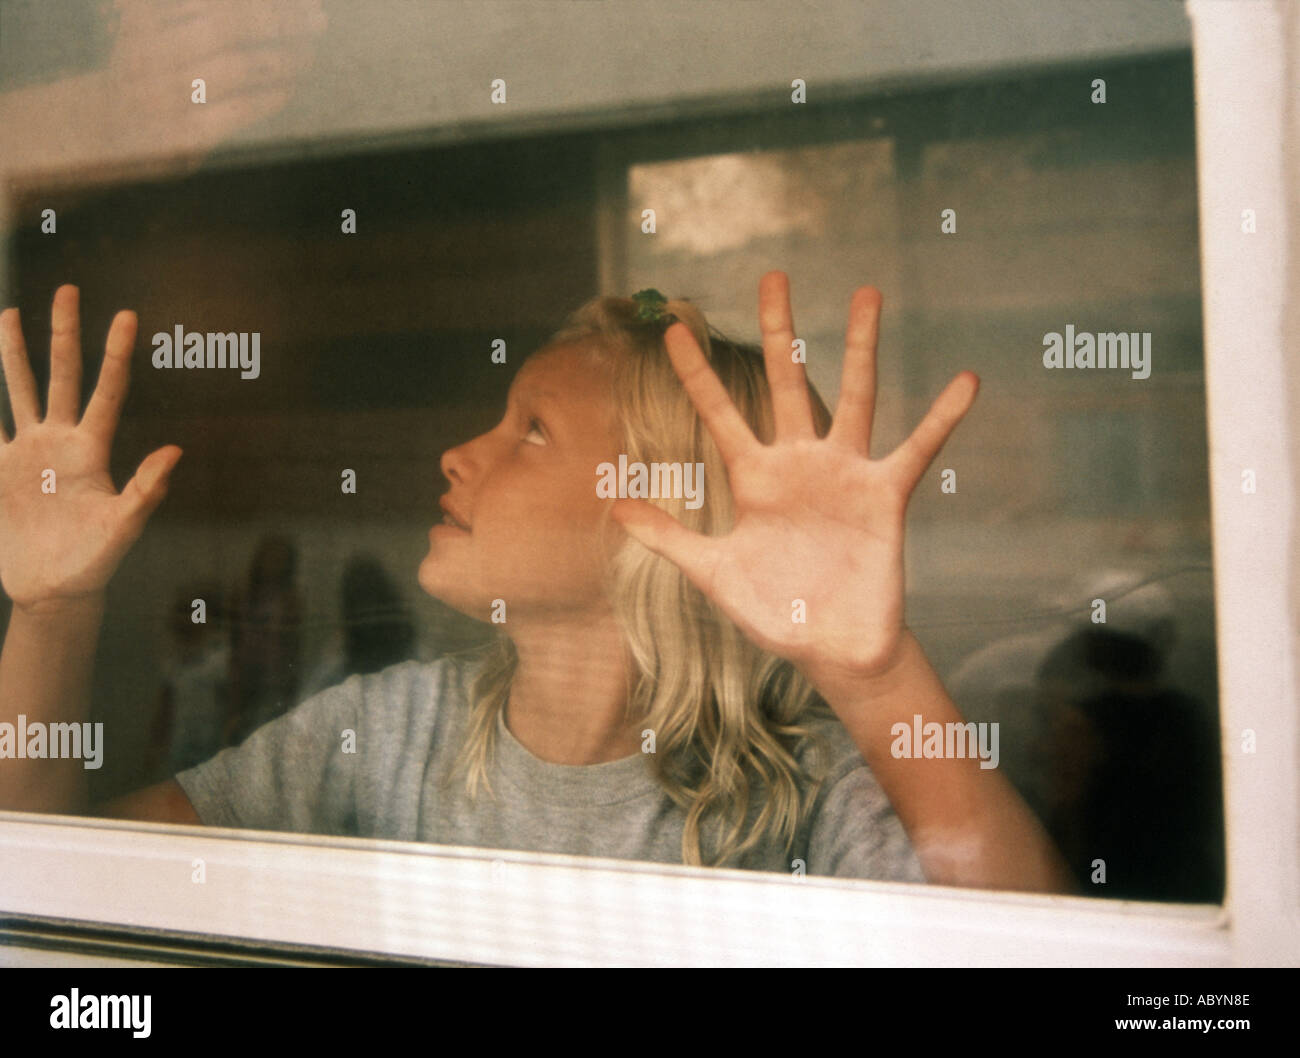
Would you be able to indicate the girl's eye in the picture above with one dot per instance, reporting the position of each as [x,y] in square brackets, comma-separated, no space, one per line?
[534,428]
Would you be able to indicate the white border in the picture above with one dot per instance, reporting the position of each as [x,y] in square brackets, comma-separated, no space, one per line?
[544,910]
[1244,148]
[534,909]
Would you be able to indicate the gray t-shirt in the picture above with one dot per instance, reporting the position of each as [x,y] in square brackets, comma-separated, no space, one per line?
[293,774]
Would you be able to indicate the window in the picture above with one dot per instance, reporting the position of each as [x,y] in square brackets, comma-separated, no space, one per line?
[1068,486]
[1060,476]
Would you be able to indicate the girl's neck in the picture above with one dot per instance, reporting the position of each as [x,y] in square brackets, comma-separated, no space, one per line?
[568,699]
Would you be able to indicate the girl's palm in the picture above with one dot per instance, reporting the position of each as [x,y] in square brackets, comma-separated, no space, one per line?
[812,569]
[63,526]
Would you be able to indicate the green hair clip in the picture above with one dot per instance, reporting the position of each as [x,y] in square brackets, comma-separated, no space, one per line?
[650,307]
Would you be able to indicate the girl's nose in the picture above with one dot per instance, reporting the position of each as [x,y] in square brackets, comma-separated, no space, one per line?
[454,465]
[460,464]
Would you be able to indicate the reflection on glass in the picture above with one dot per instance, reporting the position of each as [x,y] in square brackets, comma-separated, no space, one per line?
[322,692]
[1072,487]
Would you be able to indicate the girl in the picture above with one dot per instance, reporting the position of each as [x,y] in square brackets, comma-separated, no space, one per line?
[710,676]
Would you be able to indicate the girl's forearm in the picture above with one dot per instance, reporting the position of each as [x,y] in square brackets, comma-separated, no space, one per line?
[968,824]
[46,670]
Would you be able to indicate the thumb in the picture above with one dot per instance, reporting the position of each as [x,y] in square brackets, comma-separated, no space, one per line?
[148,486]
[694,553]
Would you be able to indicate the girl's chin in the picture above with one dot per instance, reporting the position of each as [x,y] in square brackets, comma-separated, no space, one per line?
[427,576]
[448,589]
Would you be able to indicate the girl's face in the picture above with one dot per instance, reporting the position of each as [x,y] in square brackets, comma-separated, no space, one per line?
[526,490]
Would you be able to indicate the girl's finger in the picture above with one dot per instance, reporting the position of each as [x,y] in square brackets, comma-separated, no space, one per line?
[18,372]
[854,411]
[147,488]
[913,456]
[729,430]
[791,407]
[693,553]
[65,357]
[114,378]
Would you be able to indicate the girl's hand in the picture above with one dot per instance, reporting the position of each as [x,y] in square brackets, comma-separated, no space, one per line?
[818,531]
[63,527]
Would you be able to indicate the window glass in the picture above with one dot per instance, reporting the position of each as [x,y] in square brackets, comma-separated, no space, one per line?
[389,509]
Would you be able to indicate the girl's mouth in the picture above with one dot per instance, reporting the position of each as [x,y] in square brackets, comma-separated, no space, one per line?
[449,518]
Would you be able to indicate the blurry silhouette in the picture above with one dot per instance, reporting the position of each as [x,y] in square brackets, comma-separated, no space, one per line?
[1135,773]
[265,640]
[378,630]
[194,702]
[1102,739]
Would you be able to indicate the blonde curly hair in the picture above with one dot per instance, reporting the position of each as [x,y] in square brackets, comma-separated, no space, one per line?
[727,716]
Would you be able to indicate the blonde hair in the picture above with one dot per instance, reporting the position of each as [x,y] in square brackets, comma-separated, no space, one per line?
[725,714]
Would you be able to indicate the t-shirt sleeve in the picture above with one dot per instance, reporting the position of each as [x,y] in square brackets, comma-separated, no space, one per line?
[294,773]
[856,834]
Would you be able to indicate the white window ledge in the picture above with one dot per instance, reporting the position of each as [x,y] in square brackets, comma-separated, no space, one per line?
[536,909]
[455,904]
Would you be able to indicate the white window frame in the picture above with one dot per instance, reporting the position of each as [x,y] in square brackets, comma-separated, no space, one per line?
[516,908]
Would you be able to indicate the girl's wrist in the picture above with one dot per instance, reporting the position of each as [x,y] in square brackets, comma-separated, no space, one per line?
[859,689]
[60,608]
